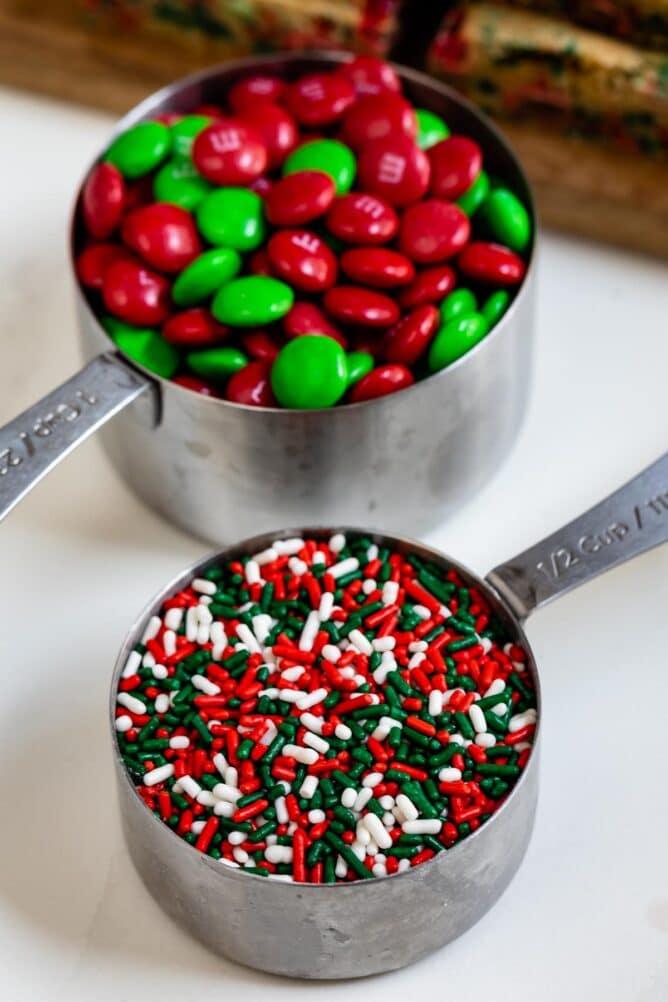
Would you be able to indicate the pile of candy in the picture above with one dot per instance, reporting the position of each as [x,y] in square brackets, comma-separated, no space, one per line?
[313,242]
[325,711]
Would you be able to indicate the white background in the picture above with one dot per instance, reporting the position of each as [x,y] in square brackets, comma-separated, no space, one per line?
[587,915]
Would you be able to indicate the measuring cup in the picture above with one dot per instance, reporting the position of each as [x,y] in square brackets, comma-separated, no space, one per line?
[223,470]
[354,929]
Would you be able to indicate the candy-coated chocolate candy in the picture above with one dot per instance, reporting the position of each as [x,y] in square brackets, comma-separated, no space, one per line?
[433,231]
[428,286]
[213,111]
[378,116]
[232,217]
[302,259]
[395,169]
[328,155]
[164,235]
[310,372]
[103,200]
[217,363]
[431,128]
[140,148]
[147,348]
[93,262]
[299,198]
[359,364]
[252,301]
[168,117]
[277,128]
[261,185]
[229,152]
[491,263]
[360,218]
[460,303]
[472,199]
[184,131]
[379,267]
[370,75]
[258,89]
[506,219]
[353,305]
[197,385]
[259,345]
[205,275]
[178,182]
[307,318]
[495,306]
[407,340]
[135,293]
[380,382]
[252,386]
[455,339]
[194,328]
[455,164]
[319,99]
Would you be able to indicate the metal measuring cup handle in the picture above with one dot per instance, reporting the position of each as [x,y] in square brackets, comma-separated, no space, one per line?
[630,521]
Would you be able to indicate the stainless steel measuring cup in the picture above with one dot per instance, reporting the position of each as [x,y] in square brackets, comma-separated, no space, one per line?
[223,470]
[354,929]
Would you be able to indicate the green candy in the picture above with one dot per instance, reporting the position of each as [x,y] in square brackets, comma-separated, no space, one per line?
[473,198]
[494,307]
[328,156]
[179,183]
[506,219]
[232,217]
[252,301]
[140,149]
[184,132]
[310,372]
[205,275]
[431,128]
[144,346]
[455,338]
[359,364]
[217,363]
[460,303]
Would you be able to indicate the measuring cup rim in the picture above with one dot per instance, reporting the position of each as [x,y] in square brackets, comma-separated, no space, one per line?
[144,109]
[254,544]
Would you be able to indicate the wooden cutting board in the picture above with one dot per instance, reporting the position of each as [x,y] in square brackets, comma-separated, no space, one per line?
[580,187]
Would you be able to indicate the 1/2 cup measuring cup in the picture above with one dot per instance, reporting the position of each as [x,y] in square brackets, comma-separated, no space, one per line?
[367,927]
[223,470]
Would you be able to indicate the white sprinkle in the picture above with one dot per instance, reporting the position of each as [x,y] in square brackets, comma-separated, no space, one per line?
[485,643]
[383,644]
[390,592]
[417,659]
[297,566]
[173,618]
[220,763]
[331,653]
[373,779]
[247,637]
[223,791]
[197,826]
[278,854]
[318,558]
[368,585]
[362,798]
[311,699]
[363,835]
[477,718]
[205,685]
[231,776]
[252,573]
[357,638]
[206,799]
[378,870]
[326,606]
[418,646]
[422,611]
[291,695]
[152,629]
[496,688]
[282,815]
[237,838]
[316,817]
[240,855]
[520,720]
[372,553]
[190,787]
[161,703]
[169,642]
[292,674]
[218,639]
[307,756]
[266,556]
[450,775]
[224,809]
[404,864]
[192,622]
[309,631]
[485,740]
[203,586]
[132,665]
[131,703]
[159,672]
[148,661]
[358,849]
[308,787]
[341,867]
[499,709]
[317,743]
[288,547]
[386,802]
[337,542]
[435,703]
[123,723]
[312,722]
[378,831]
[423,826]
[343,732]
[349,796]
[179,741]
[229,862]
[344,567]
[406,807]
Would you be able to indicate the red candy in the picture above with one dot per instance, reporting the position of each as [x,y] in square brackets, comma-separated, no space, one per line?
[455,164]
[259,345]
[299,198]
[381,381]
[362,218]
[407,340]
[136,294]
[197,385]
[252,386]
[395,169]
[164,235]
[277,128]
[370,75]
[93,262]
[485,262]
[259,263]
[377,266]
[428,286]
[433,231]
[378,116]
[319,99]
[229,152]
[255,90]
[303,260]
[307,318]
[103,200]
[195,328]
[353,305]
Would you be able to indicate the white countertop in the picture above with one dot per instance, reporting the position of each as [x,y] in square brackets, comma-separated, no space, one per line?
[587,915]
